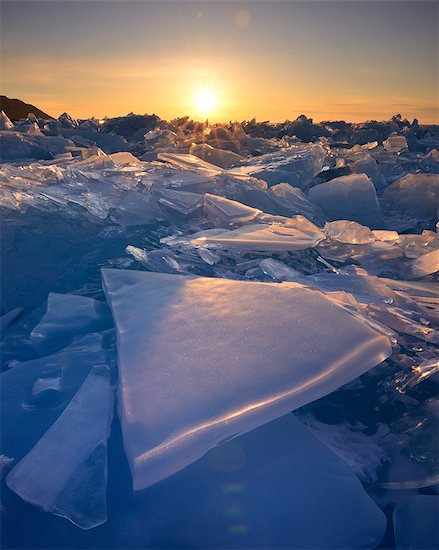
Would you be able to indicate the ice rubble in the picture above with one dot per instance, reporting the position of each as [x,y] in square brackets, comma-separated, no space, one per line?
[346,223]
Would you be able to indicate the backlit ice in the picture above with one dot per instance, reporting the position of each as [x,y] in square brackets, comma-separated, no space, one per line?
[261,303]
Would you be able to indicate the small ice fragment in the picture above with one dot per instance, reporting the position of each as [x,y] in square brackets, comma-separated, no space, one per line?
[182,202]
[5,121]
[368,165]
[278,271]
[349,232]
[395,144]
[296,201]
[351,197]
[203,359]
[45,384]
[190,162]
[124,159]
[228,210]
[384,235]
[66,472]
[208,256]
[411,448]
[67,317]
[425,265]
[218,157]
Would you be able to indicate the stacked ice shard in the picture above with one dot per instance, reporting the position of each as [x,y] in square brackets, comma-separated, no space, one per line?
[251,270]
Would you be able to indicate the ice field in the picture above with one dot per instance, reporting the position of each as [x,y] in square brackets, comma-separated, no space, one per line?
[219,336]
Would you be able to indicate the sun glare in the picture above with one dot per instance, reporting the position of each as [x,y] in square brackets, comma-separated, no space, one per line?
[205,102]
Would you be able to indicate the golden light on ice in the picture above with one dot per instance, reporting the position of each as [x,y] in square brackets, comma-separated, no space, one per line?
[206,102]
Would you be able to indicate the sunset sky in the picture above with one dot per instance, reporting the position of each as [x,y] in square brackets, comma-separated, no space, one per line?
[271,60]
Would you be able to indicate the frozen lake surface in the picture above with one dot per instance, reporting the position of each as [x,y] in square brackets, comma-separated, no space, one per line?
[219,337]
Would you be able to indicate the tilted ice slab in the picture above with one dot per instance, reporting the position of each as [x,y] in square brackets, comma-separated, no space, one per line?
[351,197]
[202,360]
[66,472]
[296,234]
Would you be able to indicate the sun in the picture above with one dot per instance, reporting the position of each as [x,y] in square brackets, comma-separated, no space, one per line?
[206,102]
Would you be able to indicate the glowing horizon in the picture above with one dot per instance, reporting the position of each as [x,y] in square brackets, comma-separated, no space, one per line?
[269,60]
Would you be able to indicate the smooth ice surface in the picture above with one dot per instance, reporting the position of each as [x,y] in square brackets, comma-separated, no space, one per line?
[66,472]
[274,487]
[201,360]
[297,234]
[416,523]
[67,317]
[350,197]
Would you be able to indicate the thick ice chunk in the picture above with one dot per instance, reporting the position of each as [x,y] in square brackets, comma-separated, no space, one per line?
[66,472]
[67,317]
[395,144]
[278,271]
[296,202]
[368,165]
[351,197]
[415,522]
[298,234]
[218,157]
[417,193]
[176,201]
[190,162]
[229,211]
[203,359]
[296,165]
[349,232]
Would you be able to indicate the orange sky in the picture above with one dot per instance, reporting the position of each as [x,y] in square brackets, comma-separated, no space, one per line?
[269,60]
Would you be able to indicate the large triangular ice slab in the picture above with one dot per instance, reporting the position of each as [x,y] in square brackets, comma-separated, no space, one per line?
[202,360]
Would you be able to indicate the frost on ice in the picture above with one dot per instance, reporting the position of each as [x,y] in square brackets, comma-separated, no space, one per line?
[250,270]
